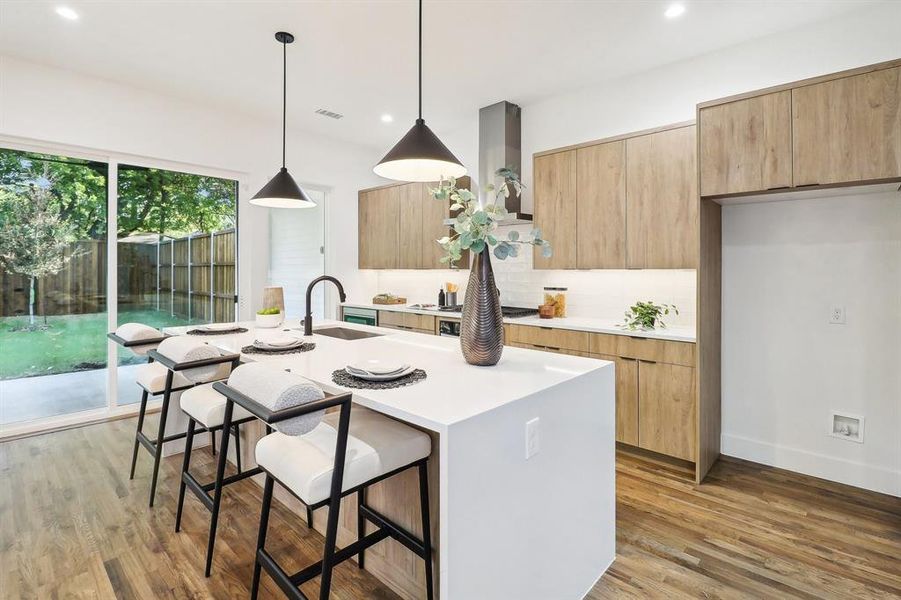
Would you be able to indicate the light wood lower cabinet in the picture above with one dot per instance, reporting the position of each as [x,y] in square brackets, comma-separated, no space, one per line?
[407,321]
[667,419]
[626,399]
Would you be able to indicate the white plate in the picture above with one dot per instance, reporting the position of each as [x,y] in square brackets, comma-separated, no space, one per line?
[218,326]
[265,345]
[279,341]
[377,367]
[388,377]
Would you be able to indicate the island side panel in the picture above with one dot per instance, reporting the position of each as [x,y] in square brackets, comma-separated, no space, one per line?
[538,528]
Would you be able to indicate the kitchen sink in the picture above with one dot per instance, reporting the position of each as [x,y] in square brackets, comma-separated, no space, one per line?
[345,333]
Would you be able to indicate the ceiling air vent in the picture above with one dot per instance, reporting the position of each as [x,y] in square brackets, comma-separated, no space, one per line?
[327,113]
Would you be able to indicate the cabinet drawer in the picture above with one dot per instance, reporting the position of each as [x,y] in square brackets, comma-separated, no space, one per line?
[667,412]
[546,338]
[389,317]
[415,321]
[663,351]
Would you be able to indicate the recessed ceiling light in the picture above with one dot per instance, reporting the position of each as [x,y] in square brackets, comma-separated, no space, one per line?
[674,10]
[67,13]
[387,118]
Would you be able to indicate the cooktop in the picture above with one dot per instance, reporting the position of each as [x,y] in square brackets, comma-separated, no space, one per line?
[511,312]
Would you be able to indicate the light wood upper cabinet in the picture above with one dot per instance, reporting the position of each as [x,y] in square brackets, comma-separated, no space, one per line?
[848,129]
[746,145]
[662,200]
[398,226]
[379,212]
[554,178]
[410,234]
[667,417]
[600,206]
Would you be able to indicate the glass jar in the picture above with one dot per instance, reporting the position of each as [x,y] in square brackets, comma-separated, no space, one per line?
[556,296]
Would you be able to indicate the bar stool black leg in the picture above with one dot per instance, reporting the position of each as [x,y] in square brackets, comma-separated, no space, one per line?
[361,526]
[158,451]
[134,454]
[217,490]
[426,527]
[237,447]
[261,536]
[213,442]
[309,518]
[189,443]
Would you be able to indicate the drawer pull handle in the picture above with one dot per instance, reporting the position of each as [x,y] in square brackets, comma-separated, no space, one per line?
[552,348]
[650,362]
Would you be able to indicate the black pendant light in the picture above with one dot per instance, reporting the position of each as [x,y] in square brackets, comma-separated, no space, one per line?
[419,155]
[282,191]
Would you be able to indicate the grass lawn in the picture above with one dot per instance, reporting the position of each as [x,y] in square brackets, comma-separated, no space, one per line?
[71,343]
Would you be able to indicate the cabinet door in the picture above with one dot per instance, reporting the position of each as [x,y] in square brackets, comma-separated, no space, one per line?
[601,206]
[667,418]
[626,398]
[746,145]
[434,212]
[848,129]
[410,234]
[554,177]
[662,200]
[377,228]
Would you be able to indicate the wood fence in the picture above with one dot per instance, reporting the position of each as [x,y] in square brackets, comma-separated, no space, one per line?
[193,277]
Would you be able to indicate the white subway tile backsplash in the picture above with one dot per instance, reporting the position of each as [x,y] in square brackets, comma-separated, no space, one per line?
[600,293]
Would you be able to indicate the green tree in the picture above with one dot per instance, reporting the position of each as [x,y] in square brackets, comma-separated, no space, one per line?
[34,238]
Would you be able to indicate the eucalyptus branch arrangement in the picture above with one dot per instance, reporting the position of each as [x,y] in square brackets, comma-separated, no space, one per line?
[475,226]
[647,315]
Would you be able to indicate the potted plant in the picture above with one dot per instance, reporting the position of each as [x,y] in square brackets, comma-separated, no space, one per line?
[269,317]
[475,229]
[647,315]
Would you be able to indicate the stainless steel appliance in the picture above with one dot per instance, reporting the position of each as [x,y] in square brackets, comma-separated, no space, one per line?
[361,316]
[448,328]
[509,312]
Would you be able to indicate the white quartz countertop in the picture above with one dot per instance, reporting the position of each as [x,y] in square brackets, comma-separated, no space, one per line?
[675,334]
[453,390]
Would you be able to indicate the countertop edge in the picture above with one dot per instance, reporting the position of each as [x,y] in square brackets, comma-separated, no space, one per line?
[664,335]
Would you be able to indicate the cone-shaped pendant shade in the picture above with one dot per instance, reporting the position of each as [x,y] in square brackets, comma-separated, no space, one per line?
[419,156]
[282,192]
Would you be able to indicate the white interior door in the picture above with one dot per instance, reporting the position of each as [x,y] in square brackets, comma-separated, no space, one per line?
[296,243]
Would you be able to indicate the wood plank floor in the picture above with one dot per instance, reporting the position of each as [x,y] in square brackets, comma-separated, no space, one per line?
[73,526]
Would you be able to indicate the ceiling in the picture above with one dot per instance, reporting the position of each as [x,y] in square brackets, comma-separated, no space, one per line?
[358,58]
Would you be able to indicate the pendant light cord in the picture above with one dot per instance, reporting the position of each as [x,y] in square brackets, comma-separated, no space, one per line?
[420,60]
[284,98]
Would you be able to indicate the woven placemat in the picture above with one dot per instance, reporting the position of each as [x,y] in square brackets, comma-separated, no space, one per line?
[219,332]
[305,347]
[345,379]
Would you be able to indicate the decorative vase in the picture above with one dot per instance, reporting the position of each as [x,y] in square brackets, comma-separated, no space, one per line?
[482,324]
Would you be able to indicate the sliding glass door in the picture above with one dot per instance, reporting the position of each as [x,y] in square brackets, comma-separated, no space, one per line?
[176,249]
[53,296]
[64,286]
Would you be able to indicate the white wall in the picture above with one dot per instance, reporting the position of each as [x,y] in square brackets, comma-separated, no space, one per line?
[57,106]
[784,366]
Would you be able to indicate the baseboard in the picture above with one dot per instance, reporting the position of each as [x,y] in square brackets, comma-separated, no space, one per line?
[868,477]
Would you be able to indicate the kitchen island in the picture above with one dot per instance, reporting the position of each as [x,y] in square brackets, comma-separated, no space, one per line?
[508,526]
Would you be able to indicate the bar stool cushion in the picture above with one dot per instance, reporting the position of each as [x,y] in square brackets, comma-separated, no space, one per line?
[376,445]
[152,377]
[207,406]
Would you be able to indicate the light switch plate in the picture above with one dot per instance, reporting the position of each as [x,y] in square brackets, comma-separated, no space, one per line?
[533,439]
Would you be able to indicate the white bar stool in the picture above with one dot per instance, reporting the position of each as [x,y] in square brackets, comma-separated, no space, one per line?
[344,454]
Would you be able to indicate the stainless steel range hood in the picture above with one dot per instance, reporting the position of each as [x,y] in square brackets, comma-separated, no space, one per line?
[500,146]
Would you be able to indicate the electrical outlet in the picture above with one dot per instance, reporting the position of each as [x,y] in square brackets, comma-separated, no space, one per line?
[837,315]
[533,438]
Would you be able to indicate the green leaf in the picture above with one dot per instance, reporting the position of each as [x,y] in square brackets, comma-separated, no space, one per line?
[501,252]
[477,246]
[546,251]
[513,235]
[480,217]
[466,240]
[492,240]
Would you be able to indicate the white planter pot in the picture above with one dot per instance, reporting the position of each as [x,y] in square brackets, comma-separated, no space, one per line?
[269,321]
